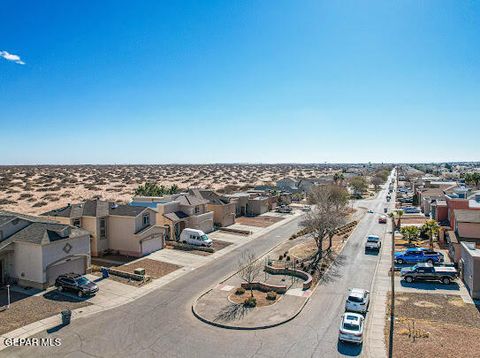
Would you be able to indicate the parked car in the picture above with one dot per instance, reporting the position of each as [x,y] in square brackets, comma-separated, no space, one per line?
[284,209]
[76,283]
[427,272]
[415,255]
[385,210]
[357,301]
[410,210]
[306,208]
[351,328]
[382,219]
[195,237]
[370,211]
[373,243]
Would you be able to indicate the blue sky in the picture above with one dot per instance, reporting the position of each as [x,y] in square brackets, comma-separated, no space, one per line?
[239,81]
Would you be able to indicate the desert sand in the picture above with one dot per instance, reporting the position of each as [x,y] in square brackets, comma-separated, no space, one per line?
[37,189]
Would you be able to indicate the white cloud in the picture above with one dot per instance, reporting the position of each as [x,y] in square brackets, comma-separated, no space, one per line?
[10,57]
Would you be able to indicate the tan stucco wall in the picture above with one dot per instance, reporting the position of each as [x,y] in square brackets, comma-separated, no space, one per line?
[469,230]
[223,215]
[121,232]
[27,260]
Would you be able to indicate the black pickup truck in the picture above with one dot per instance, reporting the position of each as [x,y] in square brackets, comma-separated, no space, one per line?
[427,272]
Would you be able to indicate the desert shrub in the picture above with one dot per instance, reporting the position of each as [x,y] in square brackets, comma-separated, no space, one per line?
[239,291]
[280,257]
[250,302]
[272,295]
[39,204]
[288,258]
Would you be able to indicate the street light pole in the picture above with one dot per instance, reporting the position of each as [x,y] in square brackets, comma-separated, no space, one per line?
[392,288]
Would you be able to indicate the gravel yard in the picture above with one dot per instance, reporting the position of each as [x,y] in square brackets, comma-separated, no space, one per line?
[28,309]
[258,221]
[434,325]
[153,268]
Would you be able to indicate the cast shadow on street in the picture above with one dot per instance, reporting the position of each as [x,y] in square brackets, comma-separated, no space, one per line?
[232,311]
[334,272]
[349,349]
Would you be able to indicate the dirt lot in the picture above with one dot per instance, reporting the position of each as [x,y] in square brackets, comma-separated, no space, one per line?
[28,309]
[258,221]
[434,325]
[217,246]
[153,268]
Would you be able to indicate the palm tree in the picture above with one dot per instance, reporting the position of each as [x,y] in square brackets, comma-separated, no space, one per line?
[396,214]
[410,233]
[431,228]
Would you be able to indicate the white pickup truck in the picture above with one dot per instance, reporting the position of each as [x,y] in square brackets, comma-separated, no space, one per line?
[373,243]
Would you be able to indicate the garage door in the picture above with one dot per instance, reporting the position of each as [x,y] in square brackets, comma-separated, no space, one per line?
[151,245]
[75,265]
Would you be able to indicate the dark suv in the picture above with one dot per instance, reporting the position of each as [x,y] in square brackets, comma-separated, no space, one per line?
[76,283]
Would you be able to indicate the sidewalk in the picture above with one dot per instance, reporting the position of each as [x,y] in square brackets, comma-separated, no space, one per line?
[375,342]
[114,294]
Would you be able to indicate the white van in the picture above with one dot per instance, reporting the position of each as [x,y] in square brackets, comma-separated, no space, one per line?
[195,237]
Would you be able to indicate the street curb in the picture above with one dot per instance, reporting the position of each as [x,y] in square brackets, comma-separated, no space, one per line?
[240,328]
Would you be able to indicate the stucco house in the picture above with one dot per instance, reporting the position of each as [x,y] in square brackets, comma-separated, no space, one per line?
[124,229]
[466,224]
[35,251]
[177,212]
[249,204]
[223,209]
[470,268]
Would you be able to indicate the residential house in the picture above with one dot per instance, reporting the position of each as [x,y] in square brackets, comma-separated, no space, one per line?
[289,185]
[223,209]
[179,211]
[35,251]
[249,204]
[466,224]
[120,228]
[430,192]
[470,268]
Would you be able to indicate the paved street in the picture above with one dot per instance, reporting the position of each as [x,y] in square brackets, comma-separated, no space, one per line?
[161,323]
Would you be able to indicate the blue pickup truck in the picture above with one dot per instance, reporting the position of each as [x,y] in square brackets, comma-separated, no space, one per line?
[415,255]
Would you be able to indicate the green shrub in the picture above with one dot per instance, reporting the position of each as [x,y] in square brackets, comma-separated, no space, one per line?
[239,291]
[288,258]
[272,295]
[250,302]
[280,257]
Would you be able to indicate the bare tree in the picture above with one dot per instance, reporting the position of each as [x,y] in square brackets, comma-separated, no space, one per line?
[249,268]
[329,212]
[377,181]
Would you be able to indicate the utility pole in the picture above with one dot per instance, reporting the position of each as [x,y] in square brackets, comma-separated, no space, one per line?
[392,282]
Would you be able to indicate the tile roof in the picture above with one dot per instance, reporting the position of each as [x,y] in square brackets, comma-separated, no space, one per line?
[210,196]
[96,208]
[39,231]
[176,216]
[187,199]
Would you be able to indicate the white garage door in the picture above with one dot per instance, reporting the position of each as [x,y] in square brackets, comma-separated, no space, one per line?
[151,245]
[75,265]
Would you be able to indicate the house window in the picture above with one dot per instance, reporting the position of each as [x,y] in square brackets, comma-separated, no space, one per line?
[103,228]
[146,219]
[197,210]
[76,222]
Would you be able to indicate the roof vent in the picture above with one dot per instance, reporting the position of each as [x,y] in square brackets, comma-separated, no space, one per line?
[114,205]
